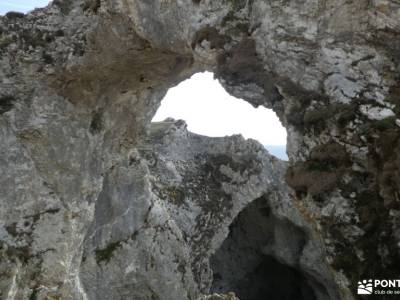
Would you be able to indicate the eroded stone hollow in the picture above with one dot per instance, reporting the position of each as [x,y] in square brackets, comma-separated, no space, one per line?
[269,280]
[97,203]
[260,258]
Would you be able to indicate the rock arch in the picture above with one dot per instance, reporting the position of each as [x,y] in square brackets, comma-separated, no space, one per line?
[82,78]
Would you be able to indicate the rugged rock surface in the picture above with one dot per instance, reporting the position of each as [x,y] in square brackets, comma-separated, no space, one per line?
[96,203]
[219,297]
[165,210]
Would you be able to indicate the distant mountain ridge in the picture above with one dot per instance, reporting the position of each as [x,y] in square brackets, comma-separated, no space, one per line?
[278,151]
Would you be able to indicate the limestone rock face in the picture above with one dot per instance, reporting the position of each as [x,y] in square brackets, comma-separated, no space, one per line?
[98,203]
[219,297]
[167,207]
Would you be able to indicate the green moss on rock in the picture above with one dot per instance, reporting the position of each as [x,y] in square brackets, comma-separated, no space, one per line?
[385,124]
[96,125]
[173,194]
[105,254]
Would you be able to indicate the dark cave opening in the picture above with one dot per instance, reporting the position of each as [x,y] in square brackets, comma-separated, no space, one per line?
[271,280]
[259,258]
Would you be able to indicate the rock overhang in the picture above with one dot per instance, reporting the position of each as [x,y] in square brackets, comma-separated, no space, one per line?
[82,79]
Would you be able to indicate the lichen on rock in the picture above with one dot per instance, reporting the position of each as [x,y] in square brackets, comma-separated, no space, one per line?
[98,203]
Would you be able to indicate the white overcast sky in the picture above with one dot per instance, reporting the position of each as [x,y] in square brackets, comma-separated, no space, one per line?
[209,110]
[202,102]
[21,5]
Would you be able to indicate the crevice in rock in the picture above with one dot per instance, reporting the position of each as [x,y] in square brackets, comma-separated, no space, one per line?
[6,103]
[260,258]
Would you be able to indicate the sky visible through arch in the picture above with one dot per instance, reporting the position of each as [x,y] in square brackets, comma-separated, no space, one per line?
[203,104]
[209,110]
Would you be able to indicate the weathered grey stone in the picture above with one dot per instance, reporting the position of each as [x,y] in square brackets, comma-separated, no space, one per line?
[96,203]
[165,211]
[230,296]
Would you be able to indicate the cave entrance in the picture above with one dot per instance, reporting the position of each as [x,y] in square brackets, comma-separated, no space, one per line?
[209,110]
[259,259]
[271,280]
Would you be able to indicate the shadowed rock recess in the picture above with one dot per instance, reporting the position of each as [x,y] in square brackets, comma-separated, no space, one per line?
[97,202]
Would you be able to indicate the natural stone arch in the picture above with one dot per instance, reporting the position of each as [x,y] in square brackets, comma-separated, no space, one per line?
[209,110]
[263,258]
[78,73]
